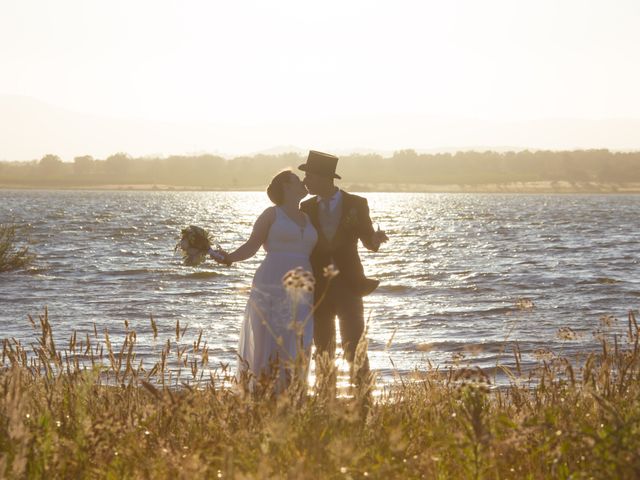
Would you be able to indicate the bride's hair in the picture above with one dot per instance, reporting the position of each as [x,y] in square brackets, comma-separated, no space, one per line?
[275,190]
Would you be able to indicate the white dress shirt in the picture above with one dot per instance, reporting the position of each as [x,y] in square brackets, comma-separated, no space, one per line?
[333,201]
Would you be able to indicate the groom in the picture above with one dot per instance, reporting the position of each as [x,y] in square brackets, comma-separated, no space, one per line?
[340,219]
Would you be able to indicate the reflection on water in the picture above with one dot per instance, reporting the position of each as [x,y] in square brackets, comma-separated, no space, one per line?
[453,276]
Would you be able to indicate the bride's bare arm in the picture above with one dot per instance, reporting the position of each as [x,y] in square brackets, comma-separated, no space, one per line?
[257,238]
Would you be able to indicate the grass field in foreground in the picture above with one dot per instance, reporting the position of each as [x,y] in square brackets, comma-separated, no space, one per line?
[90,410]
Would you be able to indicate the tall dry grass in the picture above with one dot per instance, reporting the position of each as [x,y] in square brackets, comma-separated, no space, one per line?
[91,409]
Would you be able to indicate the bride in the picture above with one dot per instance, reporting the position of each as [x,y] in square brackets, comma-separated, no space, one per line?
[278,322]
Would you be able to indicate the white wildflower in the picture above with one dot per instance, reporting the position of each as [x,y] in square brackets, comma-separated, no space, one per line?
[330,271]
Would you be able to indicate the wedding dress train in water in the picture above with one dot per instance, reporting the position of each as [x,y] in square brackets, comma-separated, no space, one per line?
[275,322]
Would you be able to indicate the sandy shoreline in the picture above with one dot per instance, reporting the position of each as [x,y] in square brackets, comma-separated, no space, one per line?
[517,187]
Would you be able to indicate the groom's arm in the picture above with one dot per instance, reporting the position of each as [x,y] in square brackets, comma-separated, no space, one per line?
[369,237]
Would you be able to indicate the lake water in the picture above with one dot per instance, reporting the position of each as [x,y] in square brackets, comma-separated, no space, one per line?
[453,274]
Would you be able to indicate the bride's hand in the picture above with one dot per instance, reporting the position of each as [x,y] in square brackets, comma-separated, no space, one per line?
[220,256]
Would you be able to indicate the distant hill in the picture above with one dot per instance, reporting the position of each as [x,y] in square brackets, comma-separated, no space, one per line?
[30,128]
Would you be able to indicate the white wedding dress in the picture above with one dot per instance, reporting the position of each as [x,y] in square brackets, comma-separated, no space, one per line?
[275,322]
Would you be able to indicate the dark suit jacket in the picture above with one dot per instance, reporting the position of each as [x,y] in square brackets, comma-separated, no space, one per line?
[342,251]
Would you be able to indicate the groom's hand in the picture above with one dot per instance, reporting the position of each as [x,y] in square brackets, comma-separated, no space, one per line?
[377,238]
[380,237]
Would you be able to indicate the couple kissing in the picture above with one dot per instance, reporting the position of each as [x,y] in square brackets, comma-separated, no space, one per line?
[313,247]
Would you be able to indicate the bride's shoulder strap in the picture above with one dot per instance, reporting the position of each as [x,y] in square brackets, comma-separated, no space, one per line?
[269,215]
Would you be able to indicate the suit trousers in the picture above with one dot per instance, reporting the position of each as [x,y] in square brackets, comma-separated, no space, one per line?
[347,306]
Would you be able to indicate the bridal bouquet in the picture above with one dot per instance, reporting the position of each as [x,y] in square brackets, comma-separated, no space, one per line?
[195,245]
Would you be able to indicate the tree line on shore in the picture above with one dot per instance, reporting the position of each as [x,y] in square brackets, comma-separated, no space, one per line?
[470,168]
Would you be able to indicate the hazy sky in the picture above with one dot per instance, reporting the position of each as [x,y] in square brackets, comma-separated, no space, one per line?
[285,64]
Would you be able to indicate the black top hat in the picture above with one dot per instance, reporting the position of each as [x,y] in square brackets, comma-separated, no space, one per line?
[321,164]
